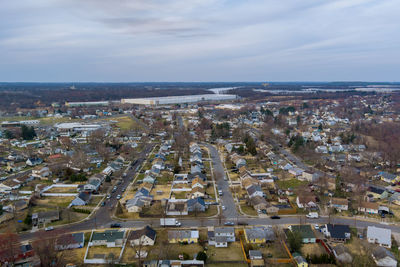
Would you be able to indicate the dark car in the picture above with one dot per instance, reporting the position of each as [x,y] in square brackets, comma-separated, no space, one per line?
[103,203]
[275,217]
[115,225]
[242,223]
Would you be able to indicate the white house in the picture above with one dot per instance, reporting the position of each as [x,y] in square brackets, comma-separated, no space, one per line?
[380,236]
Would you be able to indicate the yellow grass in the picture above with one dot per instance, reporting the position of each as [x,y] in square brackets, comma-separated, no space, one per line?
[312,249]
[103,250]
[232,253]
[164,188]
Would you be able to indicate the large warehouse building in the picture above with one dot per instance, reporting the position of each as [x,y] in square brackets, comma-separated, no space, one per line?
[168,100]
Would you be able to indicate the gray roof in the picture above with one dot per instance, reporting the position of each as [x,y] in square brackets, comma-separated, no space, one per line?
[381,253]
[255,253]
[108,235]
[260,233]
[224,230]
[381,235]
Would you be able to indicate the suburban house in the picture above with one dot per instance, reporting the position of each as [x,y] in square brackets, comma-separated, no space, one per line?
[196,205]
[300,261]
[395,198]
[183,236]
[342,254]
[311,177]
[337,232]
[340,204]
[259,203]
[137,203]
[109,238]
[305,231]
[389,177]
[255,254]
[142,237]
[177,207]
[221,236]
[33,161]
[306,201]
[378,193]
[383,257]
[258,235]
[45,217]
[41,173]
[380,236]
[369,207]
[81,199]
[255,190]
[70,241]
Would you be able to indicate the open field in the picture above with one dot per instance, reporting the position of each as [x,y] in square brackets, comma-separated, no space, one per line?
[61,202]
[312,249]
[103,250]
[63,190]
[291,183]
[156,192]
[232,253]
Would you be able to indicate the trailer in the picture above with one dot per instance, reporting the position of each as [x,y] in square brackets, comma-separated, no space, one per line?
[169,222]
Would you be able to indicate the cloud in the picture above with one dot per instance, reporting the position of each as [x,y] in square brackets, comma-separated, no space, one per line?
[201,40]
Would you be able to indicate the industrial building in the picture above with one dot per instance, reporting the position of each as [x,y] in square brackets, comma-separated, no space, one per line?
[168,100]
[87,104]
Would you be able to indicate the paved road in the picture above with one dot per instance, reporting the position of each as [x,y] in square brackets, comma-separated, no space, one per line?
[291,157]
[222,184]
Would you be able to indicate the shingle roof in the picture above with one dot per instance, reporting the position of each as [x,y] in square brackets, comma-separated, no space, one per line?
[338,231]
[108,235]
[146,231]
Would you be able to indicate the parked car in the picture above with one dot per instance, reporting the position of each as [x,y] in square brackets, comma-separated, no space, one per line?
[242,223]
[275,217]
[50,228]
[119,197]
[115,225]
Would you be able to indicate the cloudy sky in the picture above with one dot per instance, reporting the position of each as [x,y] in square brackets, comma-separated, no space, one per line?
[199,40]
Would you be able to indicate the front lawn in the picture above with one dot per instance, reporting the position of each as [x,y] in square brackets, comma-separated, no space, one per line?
[291,183]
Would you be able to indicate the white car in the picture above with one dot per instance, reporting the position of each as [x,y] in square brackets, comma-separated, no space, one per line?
[50,228]
[316,226]
[223,208]
[119,197]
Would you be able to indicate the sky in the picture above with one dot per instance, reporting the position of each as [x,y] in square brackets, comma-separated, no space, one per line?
[199,40]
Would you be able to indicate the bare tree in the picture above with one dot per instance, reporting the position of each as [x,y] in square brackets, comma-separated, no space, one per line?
[45,246]
[9,247]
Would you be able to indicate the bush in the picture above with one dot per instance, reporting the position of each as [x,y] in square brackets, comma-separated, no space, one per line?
[201,256]
[81,210]
[28,219]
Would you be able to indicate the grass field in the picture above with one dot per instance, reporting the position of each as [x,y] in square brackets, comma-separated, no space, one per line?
[291,183]
[126,123]
[61,202]
[232,253]
[248,210]
[165,189]
[103,250]
[312,249]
